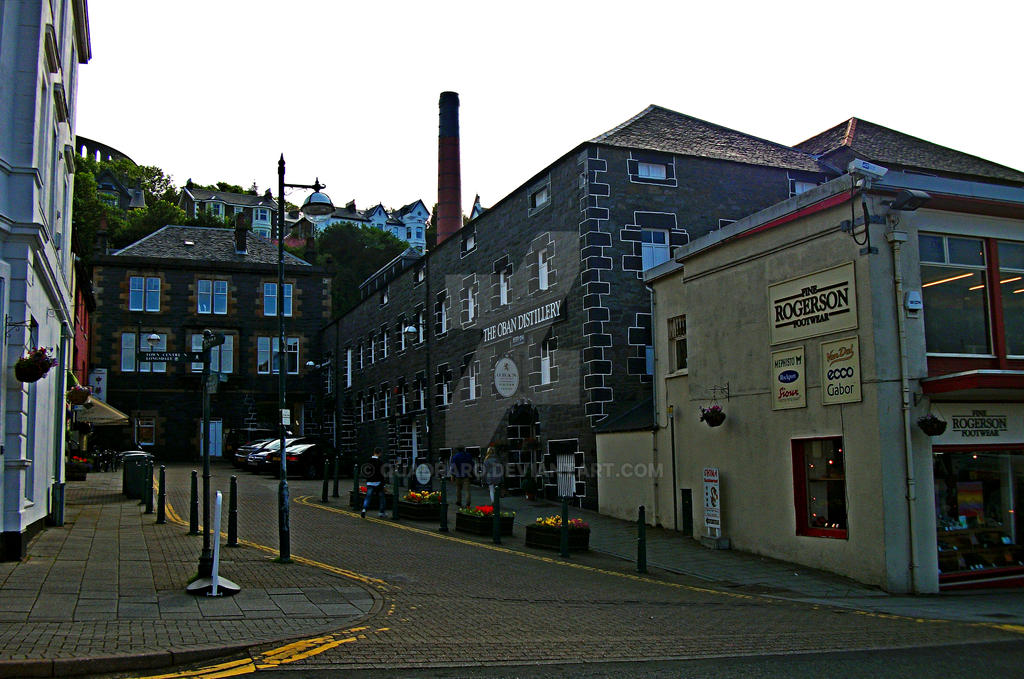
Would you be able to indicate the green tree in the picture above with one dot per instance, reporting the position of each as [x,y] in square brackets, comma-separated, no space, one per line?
[143,221]
[351,254]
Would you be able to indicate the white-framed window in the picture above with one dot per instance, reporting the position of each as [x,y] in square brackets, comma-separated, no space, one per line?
[677,342]
[547,360]
[372,342]
[222,358]
[361,402]
[373,405]
[128,350]
[503,287]
[654,247]
[652,170]
[542,269]
[471,303]
[213,297]
[384,297]
[263,231]
[145,433]
[421,394]
[267,358]
[421,325]
[270,299]
[796,187]
[386,395]
[383,343]
[144,293]
[473,380]
[540,197]
[215,209]
[260,214]
[348,367]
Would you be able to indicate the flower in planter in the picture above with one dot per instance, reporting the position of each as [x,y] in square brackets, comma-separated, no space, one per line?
[78,395]
[555,521]
[387,490]
[483,510]
[931,424]
[713,415]
[424,497]
[34,364]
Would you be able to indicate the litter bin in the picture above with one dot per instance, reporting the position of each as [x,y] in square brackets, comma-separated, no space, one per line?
[135,474]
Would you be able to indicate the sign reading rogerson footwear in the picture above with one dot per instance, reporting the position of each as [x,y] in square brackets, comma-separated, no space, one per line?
[817,304]
[544,314]
[980,423]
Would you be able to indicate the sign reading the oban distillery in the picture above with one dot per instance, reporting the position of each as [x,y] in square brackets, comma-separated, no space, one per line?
[788,382]
[544,314]
[980,423]
[823,302]
[840,371]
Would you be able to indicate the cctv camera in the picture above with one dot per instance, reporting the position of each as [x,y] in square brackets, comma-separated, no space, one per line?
[867,170]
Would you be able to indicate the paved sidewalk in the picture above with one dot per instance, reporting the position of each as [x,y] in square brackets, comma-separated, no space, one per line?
[106,593]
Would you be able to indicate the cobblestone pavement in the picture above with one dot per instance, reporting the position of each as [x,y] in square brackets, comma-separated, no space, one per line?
[369,593]
[455,600]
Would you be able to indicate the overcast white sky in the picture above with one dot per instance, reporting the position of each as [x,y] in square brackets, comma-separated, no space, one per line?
[217,90]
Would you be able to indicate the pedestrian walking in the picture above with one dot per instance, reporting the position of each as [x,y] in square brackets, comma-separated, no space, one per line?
[374,474]
[461,468]
[493,471]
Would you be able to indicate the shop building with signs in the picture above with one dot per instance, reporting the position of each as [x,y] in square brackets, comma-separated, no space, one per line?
[159,294]
[831,330]
[530,323]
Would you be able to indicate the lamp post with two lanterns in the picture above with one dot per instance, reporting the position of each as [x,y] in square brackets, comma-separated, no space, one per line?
[316,205]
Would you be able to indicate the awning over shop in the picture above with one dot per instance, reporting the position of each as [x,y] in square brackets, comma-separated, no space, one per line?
[100,413]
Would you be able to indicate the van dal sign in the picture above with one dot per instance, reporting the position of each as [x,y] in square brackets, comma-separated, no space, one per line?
[817,304]
[840,371]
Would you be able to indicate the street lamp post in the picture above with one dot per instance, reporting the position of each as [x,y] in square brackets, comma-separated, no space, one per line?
[316,205]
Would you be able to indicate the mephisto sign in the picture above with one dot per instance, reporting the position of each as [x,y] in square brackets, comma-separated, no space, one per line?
[817,304]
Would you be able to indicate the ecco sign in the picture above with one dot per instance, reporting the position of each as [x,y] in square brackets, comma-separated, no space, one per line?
[840,371]
[818,304]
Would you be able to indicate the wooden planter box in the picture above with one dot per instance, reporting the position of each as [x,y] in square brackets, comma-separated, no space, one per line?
[419,511]
[76,471]
[482,525]
[545,537]
[355,501]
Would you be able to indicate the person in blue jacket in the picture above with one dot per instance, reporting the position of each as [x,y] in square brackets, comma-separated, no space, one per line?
[461,469]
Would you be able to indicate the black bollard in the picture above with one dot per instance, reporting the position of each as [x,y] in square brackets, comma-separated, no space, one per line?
[394,498]
[161,504]
[355,488]
[233,513]
[193,517]
[444,507]
[337,468]
[641,541]
[149,487]
[565,527]
[496,527]
[323,493]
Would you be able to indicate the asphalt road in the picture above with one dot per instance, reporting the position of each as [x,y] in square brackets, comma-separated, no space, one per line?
[457,606]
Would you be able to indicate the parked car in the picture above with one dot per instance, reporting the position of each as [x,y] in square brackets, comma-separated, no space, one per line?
[241,457]
[258,460]
[305,458]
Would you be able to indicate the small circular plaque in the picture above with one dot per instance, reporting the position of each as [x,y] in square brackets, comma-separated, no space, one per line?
[423,474]
[506,377]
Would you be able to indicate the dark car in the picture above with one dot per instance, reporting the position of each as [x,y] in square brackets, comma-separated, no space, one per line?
[305,458]
[241,457]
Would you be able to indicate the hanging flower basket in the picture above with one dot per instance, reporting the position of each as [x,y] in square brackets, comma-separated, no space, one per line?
[77,395]
[34,365]
[713,415]
[931,425]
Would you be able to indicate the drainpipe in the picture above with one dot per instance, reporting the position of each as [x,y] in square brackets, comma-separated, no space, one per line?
[656,511]
[896,239]
[59,426]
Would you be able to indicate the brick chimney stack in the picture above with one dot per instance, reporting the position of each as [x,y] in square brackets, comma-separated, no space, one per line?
[241,228]
[449,181]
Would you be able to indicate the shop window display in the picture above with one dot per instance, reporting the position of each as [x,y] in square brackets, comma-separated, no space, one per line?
[975,496]
[819,485]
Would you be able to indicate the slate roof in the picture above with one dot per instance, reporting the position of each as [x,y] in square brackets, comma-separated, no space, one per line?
[660,129]
[233,198]
[208,245]
[893,149]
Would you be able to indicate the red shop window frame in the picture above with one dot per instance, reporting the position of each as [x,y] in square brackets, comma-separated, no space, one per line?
[803,527]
